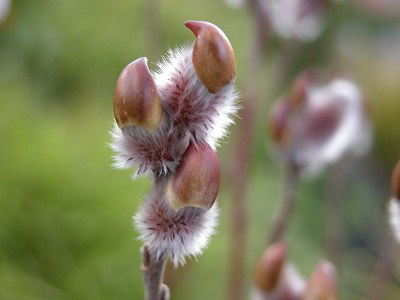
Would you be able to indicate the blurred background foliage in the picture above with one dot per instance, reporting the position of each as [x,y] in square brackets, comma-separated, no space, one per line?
[65,214]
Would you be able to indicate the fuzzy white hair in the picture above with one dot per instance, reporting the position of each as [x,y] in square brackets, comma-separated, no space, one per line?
[176,234]
[204,115]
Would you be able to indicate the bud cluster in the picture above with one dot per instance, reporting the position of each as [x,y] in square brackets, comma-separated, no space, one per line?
[168,125]
[316,125]
[276,279]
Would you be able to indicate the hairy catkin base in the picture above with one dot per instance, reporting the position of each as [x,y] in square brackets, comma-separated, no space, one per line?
[176,234]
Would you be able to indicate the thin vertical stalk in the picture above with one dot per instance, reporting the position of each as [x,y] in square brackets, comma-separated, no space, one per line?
[243,152]
[334,194]
[153,274]
[384,266]
[383,272]
[287,203]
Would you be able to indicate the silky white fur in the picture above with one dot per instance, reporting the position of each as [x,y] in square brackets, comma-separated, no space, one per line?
[177,234]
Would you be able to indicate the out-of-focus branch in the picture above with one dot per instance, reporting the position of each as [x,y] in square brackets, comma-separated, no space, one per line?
[243,151]
[284,214]
[334,194]
[153,273]
[383,271]
[154,26]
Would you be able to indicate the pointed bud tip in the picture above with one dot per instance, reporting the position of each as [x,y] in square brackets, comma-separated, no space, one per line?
[196,182]
[136,100]
[279,123]
[140,61]
[269,268]
[396,181]
[213,56]
[194,26]
[300,88]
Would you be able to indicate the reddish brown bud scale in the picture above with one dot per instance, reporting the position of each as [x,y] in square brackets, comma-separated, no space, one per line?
[196,182]
[396,181]
[269,268]
[213,57]
[300,89]
[279,123]
[136,100]
[322,123]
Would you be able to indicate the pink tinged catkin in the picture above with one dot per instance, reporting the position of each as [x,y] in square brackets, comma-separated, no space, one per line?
[317,124]
[176,234]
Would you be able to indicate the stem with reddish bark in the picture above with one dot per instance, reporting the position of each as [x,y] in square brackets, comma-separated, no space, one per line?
[153,273]
[285,211]
[334,195]
[243,151]
[384,267]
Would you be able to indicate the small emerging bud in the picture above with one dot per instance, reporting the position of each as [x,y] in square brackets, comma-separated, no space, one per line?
[322,283]
[279,123]
[300,89]
[396,181]
[213,57]
[136,101]
[269,268]
[321,122]
[196,181]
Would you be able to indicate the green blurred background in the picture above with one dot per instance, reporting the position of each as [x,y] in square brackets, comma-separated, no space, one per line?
[66,215]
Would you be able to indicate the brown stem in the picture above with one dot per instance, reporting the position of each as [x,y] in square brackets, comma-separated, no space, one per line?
[239,209]
[153,273]
[283,217]
[242,159]
[382,273]
[384,267]
[334,194]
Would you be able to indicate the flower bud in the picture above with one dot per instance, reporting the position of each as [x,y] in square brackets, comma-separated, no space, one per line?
[321,122]
[136,100]
[396,181]
[300,88]
[322,283]
[279,123]
[196,181]
[269,268]
[213,57]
